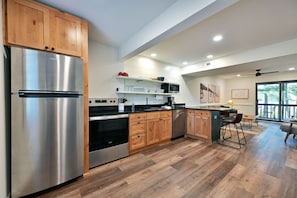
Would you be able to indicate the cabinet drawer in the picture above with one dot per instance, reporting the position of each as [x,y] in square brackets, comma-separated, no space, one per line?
[153,115]
[166,114]
[137,127]
[202,113]
[137,141]
[137,117]
[191,112]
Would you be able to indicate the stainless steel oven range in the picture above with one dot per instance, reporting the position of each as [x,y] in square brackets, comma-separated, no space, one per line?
[108,131]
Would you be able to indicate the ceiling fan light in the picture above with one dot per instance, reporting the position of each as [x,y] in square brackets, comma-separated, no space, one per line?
[258,74]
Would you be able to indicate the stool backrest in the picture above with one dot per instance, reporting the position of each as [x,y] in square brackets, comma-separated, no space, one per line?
[238,118]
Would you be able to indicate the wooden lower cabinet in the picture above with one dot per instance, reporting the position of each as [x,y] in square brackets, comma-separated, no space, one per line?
[165,125]
[199,124]
[152,127]
[147,129]
[137,131]
[202,124]
[190,122]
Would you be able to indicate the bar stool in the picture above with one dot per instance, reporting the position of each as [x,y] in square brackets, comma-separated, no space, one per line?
[236,122]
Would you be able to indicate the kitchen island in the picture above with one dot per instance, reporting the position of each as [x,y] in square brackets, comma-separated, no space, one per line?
[204,122]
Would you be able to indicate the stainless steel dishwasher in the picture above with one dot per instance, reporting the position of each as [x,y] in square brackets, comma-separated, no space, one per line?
[178,121]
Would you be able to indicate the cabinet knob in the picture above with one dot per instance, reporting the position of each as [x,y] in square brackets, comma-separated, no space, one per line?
[53,48]
[46,47]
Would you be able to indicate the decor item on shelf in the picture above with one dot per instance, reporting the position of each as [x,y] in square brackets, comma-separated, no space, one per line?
[160,78]
[123,74]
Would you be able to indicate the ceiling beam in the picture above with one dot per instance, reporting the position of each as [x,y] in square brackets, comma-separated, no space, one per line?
[178,17]
[262,53]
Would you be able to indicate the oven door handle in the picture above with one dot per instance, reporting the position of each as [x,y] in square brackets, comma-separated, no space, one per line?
[108,117]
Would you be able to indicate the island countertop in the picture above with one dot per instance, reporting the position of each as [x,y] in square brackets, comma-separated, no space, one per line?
[210,108]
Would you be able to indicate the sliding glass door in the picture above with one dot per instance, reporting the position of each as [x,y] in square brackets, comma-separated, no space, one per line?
[276,100]
[289,100]
[268,101]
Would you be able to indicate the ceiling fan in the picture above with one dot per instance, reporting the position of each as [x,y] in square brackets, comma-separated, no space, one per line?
[259,73]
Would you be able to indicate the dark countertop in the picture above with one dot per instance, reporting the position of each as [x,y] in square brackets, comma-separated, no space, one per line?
[152,108]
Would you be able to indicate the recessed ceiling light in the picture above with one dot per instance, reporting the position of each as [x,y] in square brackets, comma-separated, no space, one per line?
[185,63]
[238,75]
[291,68]
[217,38]
[210,56]
[153,55]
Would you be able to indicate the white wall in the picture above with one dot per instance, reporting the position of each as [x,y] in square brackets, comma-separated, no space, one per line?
[3,171]
[147,68]
[103,67]
[247,106]
[194,89]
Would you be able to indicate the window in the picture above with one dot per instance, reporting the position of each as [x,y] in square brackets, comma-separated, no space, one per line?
[289,99]
[276,100]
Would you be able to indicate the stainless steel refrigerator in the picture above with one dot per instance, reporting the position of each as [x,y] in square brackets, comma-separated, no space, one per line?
[47,119]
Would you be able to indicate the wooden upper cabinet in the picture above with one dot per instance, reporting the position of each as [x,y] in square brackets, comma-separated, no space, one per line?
[65,33]
[26,24]
[32,24]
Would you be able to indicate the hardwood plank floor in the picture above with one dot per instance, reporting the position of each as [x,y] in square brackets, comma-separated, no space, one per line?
[265,167]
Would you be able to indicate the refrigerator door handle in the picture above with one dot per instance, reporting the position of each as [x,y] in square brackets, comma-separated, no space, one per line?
[33,93]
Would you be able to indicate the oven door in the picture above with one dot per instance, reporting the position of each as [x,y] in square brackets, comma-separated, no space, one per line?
[108,131]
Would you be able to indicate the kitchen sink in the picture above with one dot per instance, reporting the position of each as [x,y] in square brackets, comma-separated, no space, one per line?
[153,109]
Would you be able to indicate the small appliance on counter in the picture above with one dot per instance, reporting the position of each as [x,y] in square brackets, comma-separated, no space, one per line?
[121,104]
[170,101]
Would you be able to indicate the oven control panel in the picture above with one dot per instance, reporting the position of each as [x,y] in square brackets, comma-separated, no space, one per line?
[102,102]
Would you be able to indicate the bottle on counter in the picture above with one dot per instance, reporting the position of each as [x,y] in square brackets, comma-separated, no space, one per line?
[133,107]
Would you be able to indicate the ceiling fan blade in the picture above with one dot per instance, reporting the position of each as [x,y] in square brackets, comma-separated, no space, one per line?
[269,72]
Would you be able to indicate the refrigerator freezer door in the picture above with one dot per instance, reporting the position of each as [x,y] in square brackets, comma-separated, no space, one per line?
[39,70]
[47,142]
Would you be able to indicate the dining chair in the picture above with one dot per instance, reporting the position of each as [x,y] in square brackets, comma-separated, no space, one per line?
[235,121]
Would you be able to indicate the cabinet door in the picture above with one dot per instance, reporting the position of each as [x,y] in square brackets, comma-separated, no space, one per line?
[136,141]
[205,127]
[152,132]
[27,24]
[190,122]
[198,128]
[66,35]
[165,129]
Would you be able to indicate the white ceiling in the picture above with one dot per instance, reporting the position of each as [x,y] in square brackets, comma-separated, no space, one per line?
[245,25]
